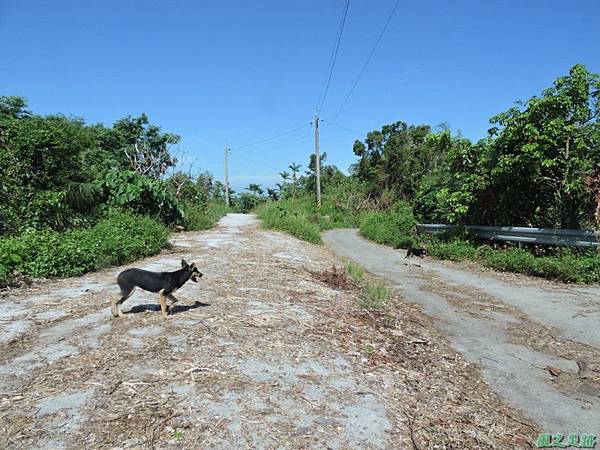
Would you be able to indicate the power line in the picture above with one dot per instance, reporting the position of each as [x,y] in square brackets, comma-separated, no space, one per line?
[334,55]
[343,127]
[272,137]
[368,59]
[303,136]
[258,163]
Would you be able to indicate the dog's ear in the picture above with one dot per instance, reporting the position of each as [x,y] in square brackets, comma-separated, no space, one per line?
[184,263]
[193,266]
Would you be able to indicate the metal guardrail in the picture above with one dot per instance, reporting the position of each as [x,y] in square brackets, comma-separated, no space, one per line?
[546,236]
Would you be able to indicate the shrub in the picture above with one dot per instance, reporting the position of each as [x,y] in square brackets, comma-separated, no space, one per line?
[587,267]
[142,195]
[333,213]
[564,269]
[457,250]
[202,216]
[117,239]
[342,204]
[395,227]
[564,264]
[247,201]
[283,216]
[509,260]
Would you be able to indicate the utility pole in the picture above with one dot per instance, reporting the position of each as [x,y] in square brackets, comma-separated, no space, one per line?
[317,162]
[226,178]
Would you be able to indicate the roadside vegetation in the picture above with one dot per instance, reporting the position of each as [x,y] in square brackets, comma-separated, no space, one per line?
[293,217]
[563,264]
[76,197]
[539,166]
[119,238]
[374,294]
[394,227]
[296,212]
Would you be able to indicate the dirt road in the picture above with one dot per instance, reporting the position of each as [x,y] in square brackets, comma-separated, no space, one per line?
[513,327]
[259,354]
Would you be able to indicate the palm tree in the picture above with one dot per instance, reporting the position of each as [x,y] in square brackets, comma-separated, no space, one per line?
[285,175]
[295,168]
[255,188]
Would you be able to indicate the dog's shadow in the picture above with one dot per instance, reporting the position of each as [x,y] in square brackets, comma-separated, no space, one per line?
[175,309]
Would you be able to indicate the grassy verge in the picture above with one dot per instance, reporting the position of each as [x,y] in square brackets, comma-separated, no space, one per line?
[203,217]
[394,227]
[117,239]
[565,265]
[299,217]
[374,293]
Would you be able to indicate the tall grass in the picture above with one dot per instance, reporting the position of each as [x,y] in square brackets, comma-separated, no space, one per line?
[291,216]
[300,217]
[374,296]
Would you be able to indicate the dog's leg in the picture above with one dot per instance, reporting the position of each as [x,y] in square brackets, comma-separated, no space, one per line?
[163,305]
[114,308]
[172,298]
[127,288]
[119,308]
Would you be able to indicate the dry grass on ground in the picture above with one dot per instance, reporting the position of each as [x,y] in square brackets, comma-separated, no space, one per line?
[263,353]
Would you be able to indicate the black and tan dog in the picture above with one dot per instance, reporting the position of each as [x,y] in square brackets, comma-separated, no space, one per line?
[164,283]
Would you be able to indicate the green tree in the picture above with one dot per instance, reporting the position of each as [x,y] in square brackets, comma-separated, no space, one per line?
[447,193]
[142,194]
[43,178]
[295,168]
[542,152]
[145,146]
[396,159]
[255,189]
[273,194]
[54,169]
[330,174]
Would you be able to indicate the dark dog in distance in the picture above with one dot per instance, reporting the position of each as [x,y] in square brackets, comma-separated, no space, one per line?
[415,251]
[164,283]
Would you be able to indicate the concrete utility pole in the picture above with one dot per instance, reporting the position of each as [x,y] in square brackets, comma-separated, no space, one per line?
[226,178]
[317,162]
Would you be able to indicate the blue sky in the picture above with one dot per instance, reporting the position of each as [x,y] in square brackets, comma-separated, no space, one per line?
[238,72]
